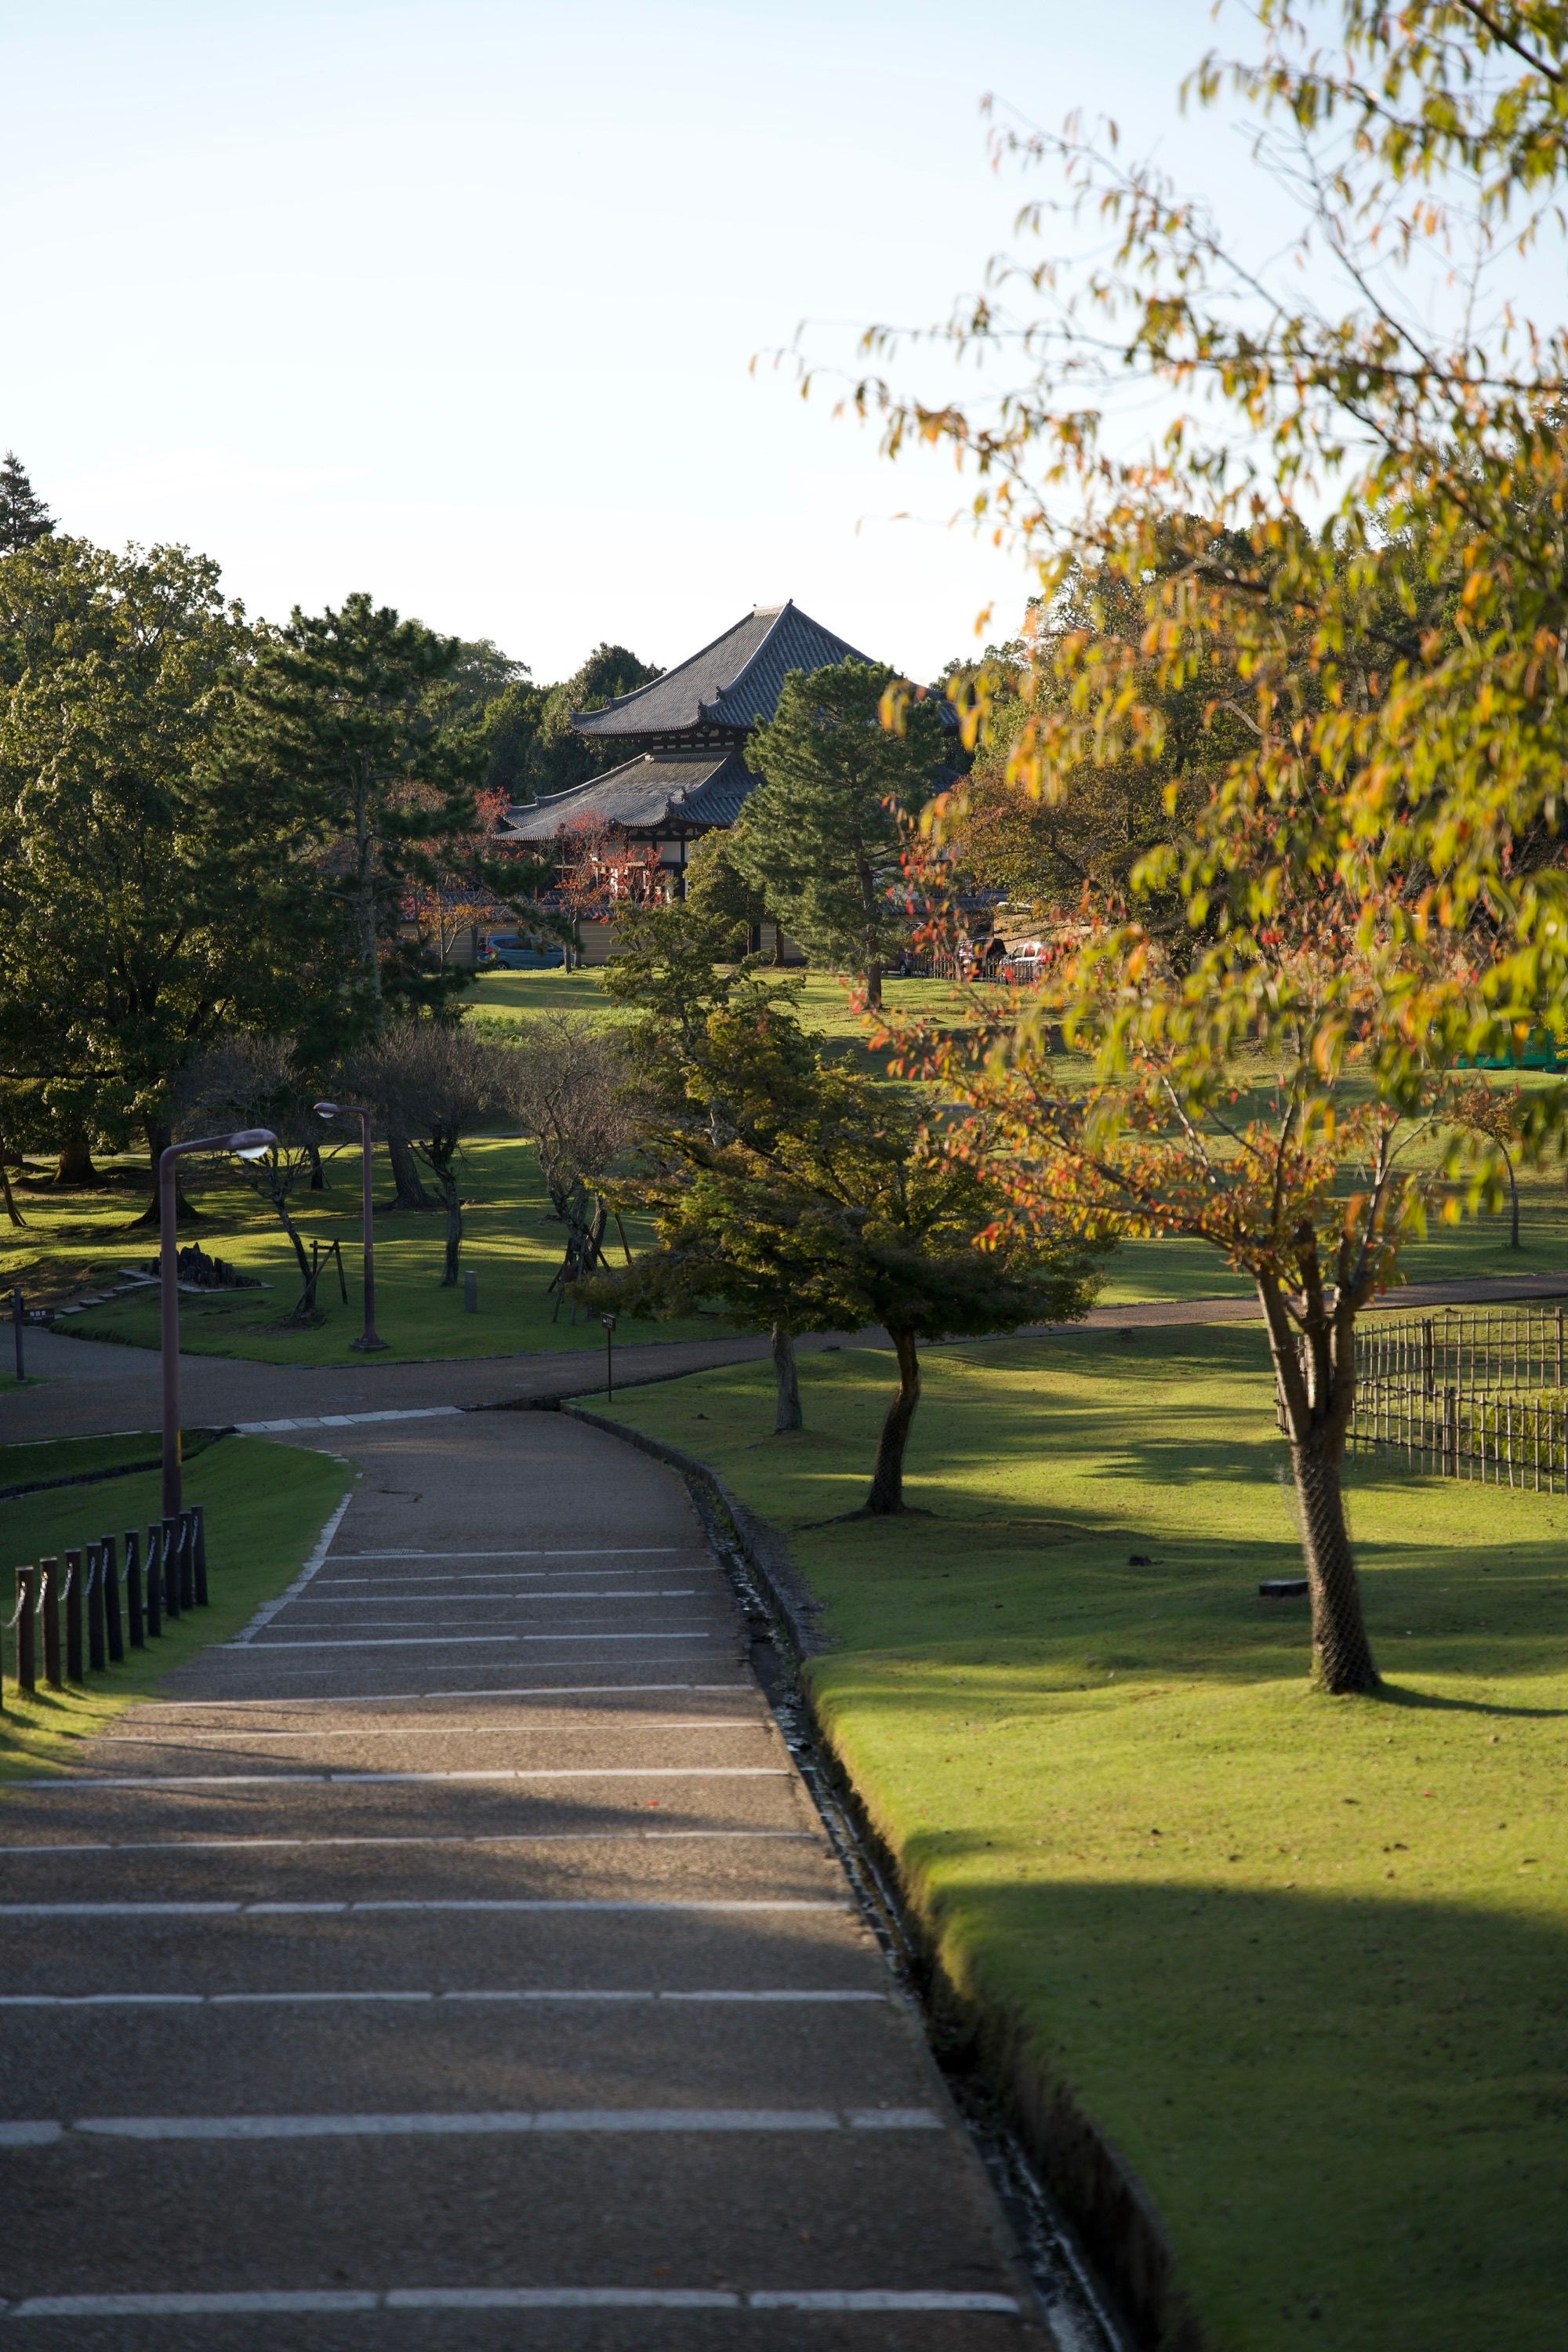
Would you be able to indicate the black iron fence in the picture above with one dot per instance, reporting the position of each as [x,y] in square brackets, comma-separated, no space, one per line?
[78,1614]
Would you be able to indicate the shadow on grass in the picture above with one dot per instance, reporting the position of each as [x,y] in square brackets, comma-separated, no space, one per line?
[1349,2112]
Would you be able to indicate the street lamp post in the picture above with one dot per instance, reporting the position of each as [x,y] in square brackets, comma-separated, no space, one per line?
[609,1323]
[369,1341]
[250,1143]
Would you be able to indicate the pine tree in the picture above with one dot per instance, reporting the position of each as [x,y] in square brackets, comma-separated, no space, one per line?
[820,838]
[24,517]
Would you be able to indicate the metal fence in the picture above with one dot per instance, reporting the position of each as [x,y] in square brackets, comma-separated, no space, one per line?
[1467,1395]
[77,1614]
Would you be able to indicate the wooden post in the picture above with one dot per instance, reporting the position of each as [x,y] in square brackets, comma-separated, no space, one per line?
[26,1625]
[97,1631]
[133,1618]
[154,1574]
[171,1568]
[49,1597]
[112,1625]
[76,1663]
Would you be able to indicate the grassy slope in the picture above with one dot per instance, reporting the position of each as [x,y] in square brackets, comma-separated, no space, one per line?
[74,1457]
[1302,1958]
[265,1506]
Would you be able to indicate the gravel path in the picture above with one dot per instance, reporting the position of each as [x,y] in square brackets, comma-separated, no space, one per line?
[458,1959]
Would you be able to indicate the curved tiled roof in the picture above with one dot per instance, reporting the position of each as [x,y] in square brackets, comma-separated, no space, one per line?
[734,682]
[647,794]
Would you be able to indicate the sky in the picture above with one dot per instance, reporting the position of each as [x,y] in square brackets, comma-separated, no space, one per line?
[456,301]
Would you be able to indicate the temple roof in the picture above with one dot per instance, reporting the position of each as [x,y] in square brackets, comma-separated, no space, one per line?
[649,794]
[734,682]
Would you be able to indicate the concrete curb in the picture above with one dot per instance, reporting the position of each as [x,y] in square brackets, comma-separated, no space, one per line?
[1096,2186]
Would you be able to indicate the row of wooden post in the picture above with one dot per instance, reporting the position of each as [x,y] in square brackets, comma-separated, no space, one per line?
[82,1599]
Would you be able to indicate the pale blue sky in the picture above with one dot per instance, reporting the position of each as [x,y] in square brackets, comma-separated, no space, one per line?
[453,300]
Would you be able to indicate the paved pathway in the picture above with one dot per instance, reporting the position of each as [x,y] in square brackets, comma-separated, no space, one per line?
[90,1387]
[459,1961]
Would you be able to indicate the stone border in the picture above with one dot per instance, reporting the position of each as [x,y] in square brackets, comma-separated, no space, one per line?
[1096,2186]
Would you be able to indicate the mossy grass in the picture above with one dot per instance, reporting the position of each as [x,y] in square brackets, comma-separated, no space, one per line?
[1302,1958]
[265,1505]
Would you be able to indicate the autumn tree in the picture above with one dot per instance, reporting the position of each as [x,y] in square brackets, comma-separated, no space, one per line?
[242,1081]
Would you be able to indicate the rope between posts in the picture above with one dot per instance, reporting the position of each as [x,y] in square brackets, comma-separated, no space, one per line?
[42,1588]
[14,1619]
[66,1587]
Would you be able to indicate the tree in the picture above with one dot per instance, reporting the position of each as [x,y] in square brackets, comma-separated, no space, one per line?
[797,1194]
[434,1085]
[1238,1116]
[246,1081]
[1496,1116]
[355,721]
[564,757]
[563,1081]
[819,838]
[716,886]
[148,899]
[23,518]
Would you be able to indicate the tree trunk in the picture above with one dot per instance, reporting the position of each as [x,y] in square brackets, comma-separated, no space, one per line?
[887,1493]
[159,1138]
[318,1168]
[1512,1200]
[307,1274]
[74,1168]
[411,1192]
[454,1208]
[787,1414]
[874,987]
[1342,1661]
[1315,1382]
[12,1213]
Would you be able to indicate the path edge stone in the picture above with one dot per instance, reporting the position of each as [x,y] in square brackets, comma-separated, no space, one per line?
[1097,2185]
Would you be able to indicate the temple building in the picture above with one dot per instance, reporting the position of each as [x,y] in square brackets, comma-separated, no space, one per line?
[685,736]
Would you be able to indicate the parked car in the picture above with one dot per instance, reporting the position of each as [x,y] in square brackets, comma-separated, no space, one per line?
[509,951]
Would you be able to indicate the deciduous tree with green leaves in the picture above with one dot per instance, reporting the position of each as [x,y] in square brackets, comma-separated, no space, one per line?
[147,897]
[819,838]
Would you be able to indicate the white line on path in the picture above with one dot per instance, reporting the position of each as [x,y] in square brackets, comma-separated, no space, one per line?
[649,1907]
[496,1837]
[513,1690]
[578,1551]
[503,1730]
[502,1772]
[542,1993]
[320,1600]
[268,1609]
[502,1575]
[325,2300]
[498,2121]
[465,1640]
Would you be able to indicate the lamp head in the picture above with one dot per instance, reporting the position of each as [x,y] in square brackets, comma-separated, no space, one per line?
[252,1142]
[608,1321]
[326,1110]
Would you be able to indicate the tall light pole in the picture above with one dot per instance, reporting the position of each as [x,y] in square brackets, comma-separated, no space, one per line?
[250,1143]
[369,1341]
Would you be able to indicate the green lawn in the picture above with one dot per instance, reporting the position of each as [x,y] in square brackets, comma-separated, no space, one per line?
[75,1457]
[265,1506]
[1303,1960]
[511,1242]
